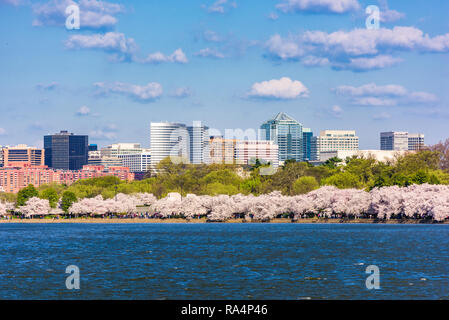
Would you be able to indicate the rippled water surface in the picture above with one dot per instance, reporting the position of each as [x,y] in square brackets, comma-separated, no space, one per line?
[224,261]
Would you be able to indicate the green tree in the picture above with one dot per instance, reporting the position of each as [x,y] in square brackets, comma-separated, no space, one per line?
[217,188]
[25,194]
[343,180]
[51,195]
[332,163]
[305,184]
[68,198]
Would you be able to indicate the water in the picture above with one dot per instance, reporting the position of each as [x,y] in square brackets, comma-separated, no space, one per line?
[224,261]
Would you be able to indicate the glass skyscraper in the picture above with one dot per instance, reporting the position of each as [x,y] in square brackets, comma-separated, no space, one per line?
[307,136]
[66,151]
[287,133]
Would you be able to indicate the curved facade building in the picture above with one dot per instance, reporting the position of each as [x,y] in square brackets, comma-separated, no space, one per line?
[168,139]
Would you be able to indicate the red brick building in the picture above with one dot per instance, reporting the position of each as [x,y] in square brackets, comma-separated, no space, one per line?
[12,179]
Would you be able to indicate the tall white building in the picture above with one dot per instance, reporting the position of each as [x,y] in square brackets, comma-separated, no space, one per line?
[198,144]
[189,143]
[334,140]
[401,141]
[168,139]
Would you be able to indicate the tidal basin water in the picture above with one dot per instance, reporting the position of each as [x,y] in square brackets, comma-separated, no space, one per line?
[224,261]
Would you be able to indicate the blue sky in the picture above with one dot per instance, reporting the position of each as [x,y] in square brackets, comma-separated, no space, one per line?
[230,64]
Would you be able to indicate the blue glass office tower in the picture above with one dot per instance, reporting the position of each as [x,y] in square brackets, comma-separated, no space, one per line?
[307,135]
[66,151]
[287,133]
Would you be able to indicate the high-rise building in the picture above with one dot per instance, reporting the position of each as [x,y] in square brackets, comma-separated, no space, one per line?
[66,151]
[116,149]
[189,143]
[307,136]
[287,133]
[415,141]
[93,147]
[248,151]
[401,141]
[221,150]
[168,139]
[94,158]
[334,140]
[198,144]
[22,154]
[136,162]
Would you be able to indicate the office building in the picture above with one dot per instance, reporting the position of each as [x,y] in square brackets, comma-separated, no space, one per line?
[334,140]
[180,142]
[22,154]
[401,141]
[287,134]
[198,144]
[221,150]
[66,151]
[248,151]
[13,179]
[379,155]
[116,149]
[93,147]
[136,162]
[307,136]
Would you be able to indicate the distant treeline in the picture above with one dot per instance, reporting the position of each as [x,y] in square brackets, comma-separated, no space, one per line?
[293,178]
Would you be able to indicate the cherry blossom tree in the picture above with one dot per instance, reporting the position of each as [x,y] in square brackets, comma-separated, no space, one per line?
[35,207]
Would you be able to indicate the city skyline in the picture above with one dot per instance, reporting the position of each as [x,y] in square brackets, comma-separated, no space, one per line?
[228,64]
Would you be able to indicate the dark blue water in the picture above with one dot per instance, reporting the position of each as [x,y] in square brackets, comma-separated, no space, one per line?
[224,261]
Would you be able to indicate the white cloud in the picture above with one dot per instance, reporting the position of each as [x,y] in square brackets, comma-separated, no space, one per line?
[336,111]
[318,6]
[387,95]
[112,42]
[374,101]
[272,16]
[284,88]
[387,15]
[365,64]
[94,14]
[210,53]
[83,111]
[358,49]
[371,89]
[177,56]
[2,132]
[220,6]
[212,36]
[182,92]
[121,48]
[146,93]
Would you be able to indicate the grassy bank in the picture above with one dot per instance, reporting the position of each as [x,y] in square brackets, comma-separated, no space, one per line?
[193,221]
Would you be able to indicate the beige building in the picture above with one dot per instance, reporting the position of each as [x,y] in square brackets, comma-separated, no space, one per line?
[22,154]
[334,140]
[221,150]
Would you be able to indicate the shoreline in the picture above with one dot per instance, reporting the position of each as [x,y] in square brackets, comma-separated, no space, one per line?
[196,221]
